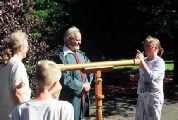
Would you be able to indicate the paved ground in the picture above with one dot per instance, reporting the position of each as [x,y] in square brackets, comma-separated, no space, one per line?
[124,109]
[120,98]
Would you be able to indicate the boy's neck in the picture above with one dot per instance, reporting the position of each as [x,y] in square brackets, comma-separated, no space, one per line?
[42,95]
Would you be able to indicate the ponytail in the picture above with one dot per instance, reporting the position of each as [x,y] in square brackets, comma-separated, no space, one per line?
[7,54]
[11,43]
[160,52]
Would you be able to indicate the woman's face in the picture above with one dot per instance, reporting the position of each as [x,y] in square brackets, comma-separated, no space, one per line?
[25,48]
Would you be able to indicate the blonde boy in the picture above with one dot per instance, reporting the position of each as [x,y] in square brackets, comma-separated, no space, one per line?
[44,107]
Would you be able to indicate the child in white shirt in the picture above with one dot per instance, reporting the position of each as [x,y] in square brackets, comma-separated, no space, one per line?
[44,106]
[150,84]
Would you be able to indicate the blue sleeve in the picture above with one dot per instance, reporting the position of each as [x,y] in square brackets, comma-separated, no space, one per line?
[71,84]
[89,75]
[68,82]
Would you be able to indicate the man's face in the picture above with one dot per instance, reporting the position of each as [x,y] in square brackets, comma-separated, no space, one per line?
[25,48]
[75,42]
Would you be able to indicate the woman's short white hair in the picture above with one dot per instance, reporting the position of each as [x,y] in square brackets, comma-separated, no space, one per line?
[47,72]
[70,33]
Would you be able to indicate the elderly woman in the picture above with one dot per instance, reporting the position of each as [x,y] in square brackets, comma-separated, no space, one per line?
[13,75]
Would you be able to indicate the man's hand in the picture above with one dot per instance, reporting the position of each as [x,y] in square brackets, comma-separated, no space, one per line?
[18,93]
[86,87]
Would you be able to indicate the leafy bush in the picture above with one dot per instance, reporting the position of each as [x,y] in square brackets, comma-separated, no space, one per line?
[42,30]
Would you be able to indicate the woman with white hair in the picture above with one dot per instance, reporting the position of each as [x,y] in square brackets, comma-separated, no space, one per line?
[13,75]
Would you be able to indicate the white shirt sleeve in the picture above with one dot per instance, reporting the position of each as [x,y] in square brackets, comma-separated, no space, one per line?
[156,72]
[18,75]
[69,112]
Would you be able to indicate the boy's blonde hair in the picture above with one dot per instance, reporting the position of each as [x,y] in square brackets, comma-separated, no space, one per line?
[47,72]
[14,41]
[156,43]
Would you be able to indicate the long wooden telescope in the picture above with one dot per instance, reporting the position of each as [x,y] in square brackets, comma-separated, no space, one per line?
[97,68]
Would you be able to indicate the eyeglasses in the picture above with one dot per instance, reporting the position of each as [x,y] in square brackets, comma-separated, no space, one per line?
[148,46]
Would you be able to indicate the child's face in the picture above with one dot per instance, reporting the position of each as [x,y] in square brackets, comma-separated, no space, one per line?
[149,49]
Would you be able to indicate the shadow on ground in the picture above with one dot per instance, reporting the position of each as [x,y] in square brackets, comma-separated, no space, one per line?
[120,94]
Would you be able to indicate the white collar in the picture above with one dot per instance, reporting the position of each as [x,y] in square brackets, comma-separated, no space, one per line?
[66,50]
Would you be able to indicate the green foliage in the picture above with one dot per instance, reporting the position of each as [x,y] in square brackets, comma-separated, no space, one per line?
[41,26]
[42,14]
[55,19]
[37,34]
[30,70]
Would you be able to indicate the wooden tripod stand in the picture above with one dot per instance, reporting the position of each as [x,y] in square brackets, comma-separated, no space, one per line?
[98,87]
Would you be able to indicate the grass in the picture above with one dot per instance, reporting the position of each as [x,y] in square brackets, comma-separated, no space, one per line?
[170,66]
[131,69]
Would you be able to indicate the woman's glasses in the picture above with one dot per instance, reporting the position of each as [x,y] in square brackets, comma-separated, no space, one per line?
[148,46]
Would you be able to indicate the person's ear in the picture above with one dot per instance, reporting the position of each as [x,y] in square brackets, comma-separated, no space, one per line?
[53,86]
[156,48]
[20,47]
[69,40]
